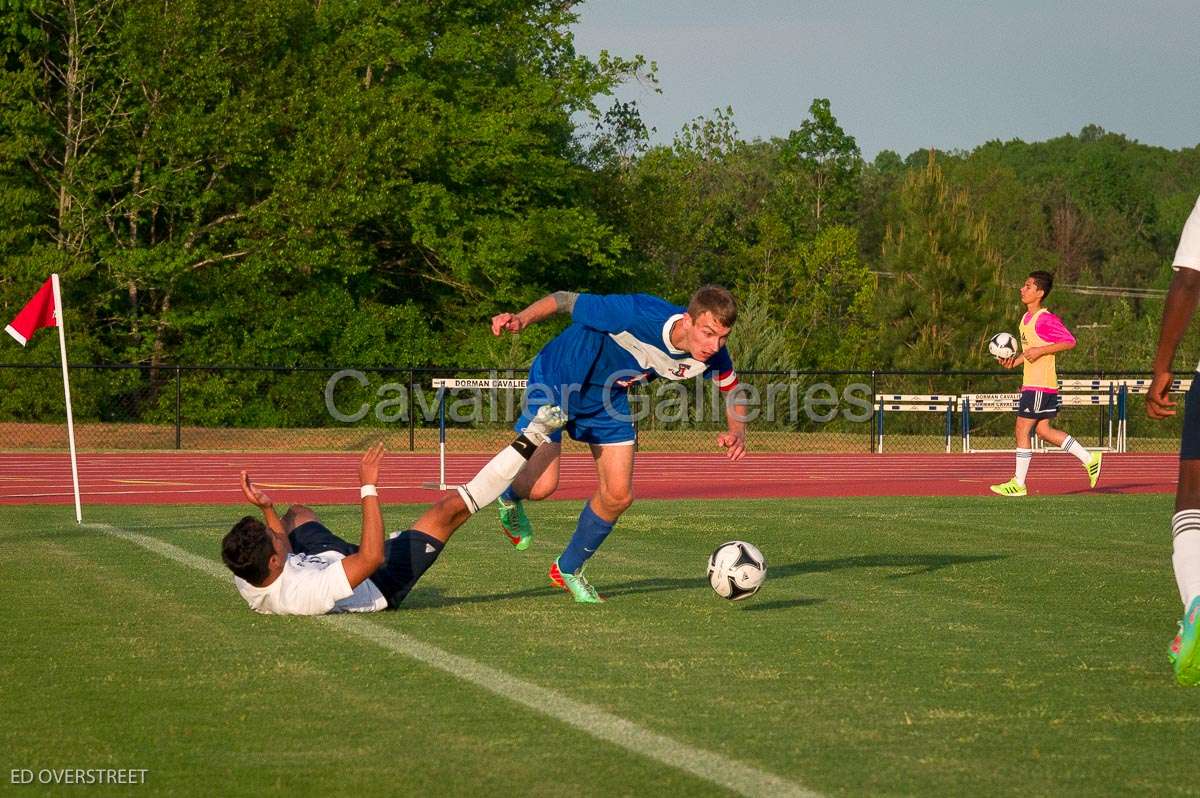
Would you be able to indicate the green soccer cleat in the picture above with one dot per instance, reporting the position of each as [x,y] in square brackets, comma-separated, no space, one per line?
[1184,652]
[576,584]
[515,524]
[1092,467]
[1010,488]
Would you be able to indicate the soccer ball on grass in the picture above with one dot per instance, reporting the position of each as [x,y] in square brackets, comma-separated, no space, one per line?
[736,570]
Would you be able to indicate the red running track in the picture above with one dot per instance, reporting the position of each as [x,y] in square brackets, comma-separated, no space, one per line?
[193,478]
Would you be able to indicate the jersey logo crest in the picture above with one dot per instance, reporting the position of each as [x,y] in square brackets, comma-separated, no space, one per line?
[625,383]
[681,370]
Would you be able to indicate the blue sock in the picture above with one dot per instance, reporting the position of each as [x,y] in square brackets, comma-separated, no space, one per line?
[589,534]
[508,497]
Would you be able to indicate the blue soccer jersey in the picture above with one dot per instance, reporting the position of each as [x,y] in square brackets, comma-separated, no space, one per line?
[628,336]
[616,341]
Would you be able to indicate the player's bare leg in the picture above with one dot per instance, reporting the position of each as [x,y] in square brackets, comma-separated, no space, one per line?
[614,468]
[442,519]
[1049,433]
[539,478]
[1187,492]
[1091,461]
[297,515]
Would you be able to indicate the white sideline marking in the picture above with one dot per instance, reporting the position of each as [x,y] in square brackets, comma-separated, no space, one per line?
[715,768]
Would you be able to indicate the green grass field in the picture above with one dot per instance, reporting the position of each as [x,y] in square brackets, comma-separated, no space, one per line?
[898,647]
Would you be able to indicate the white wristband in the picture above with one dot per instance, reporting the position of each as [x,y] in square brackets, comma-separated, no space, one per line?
[367,490]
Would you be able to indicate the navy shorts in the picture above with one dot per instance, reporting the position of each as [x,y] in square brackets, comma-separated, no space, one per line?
[1189,447]
[1037,404]
[405,557]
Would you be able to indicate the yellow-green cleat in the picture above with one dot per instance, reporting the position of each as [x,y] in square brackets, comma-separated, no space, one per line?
[515,524]
[1092,467]
[1010,488]
[1184,652]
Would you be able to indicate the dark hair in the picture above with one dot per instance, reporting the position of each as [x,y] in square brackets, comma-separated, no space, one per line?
[247,550]
[715,300]
[1044,280]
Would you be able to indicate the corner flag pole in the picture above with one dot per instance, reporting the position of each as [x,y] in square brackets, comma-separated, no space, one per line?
[62,347]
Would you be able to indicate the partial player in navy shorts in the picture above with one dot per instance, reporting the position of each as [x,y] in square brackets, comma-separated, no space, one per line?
[1189,448]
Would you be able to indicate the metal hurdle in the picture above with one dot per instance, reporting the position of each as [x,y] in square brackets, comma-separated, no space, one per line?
[913,403]
[1138,386]
[442,386]
[1097,392]
[1102,393]
[983,403]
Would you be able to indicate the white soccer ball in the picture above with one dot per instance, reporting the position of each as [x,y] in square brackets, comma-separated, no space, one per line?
[1002,345]
[736,570]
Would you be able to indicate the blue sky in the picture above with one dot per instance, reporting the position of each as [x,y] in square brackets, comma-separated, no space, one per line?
[911,75]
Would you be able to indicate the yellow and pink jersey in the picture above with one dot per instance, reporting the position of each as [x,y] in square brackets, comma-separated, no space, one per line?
[1042,328]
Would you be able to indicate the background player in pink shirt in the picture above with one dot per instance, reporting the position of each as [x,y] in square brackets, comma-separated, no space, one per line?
[1042,336]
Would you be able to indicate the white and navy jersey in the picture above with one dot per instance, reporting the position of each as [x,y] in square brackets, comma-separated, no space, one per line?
[629,336]
[1187,255]
[312,584]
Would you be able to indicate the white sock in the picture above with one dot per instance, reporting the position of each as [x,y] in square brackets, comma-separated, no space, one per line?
[1024,456]
[1185,529]
[1076,448]
[497,475]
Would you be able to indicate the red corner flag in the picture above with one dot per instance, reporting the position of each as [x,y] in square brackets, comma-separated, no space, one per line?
[39,312]
[45,310]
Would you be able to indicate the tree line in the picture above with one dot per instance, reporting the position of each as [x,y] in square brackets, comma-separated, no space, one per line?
[294,182]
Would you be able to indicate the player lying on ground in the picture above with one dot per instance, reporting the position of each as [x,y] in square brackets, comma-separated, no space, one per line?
[1042,335]
[295,566]
[614,342]
[1184,651]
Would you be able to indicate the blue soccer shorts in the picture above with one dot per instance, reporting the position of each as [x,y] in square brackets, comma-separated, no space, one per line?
[589,418]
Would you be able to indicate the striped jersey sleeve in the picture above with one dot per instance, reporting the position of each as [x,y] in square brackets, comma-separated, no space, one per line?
[720,369]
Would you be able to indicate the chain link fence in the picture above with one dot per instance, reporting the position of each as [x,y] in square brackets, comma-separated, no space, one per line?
[227,408]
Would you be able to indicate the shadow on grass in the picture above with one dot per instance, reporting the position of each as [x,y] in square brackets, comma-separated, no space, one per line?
[783,604]
[915,564]
[433,598]
[1120,489]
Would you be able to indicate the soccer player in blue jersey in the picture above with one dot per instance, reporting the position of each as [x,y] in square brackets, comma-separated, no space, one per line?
[614,342]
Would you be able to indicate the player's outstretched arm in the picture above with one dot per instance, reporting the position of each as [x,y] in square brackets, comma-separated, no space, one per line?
[256,496]
[734,439]
[1177,315]
[544,308]
[369,557]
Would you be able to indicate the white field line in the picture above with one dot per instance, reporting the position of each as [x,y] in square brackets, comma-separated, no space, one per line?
[712,767]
